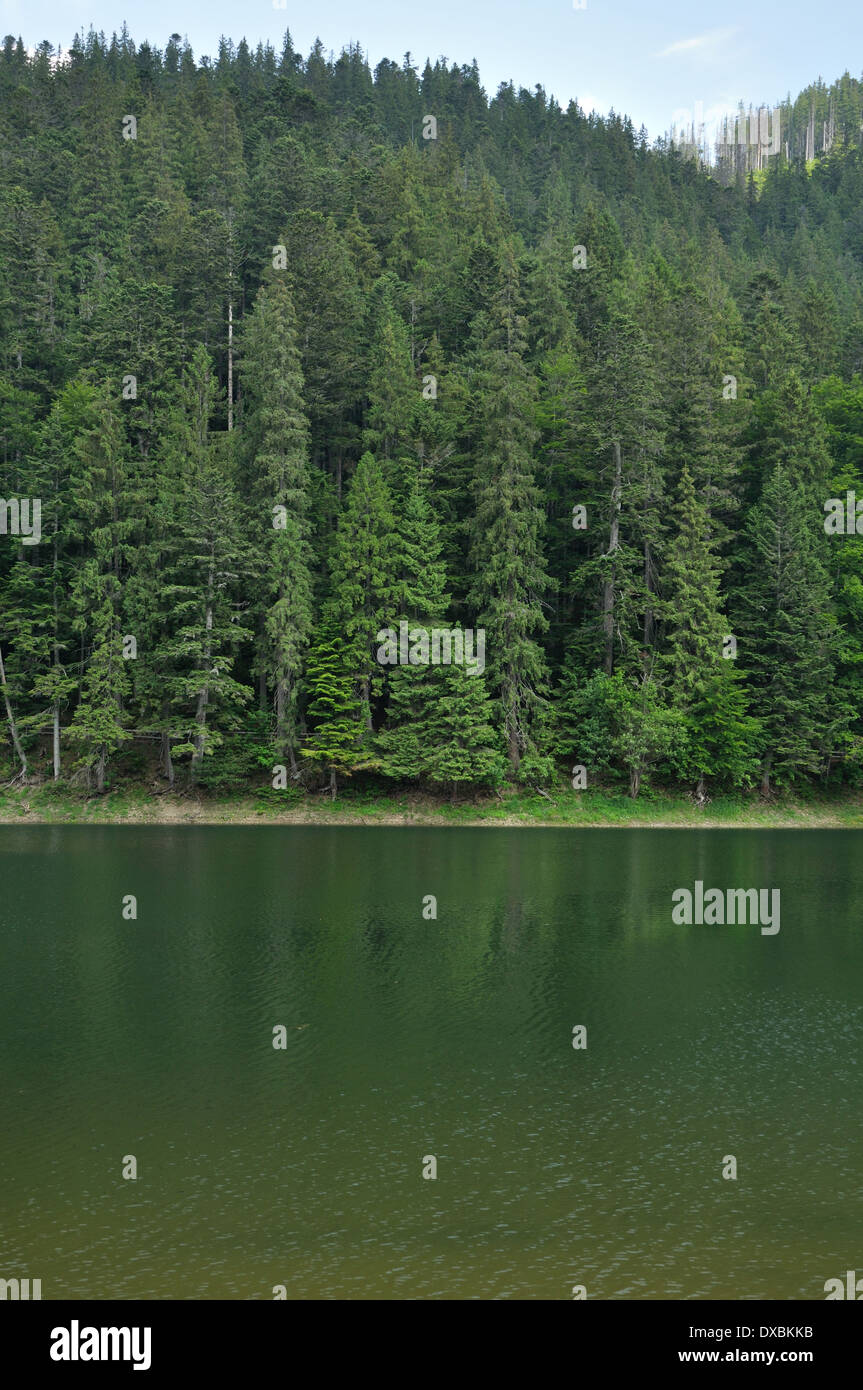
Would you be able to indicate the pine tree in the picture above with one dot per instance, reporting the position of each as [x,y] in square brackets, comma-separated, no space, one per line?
[363,575]
[75,411]
[394,395]
[509,578]
[626,432]
[281,491]
[417,693]
[789,640]
[329,320]
[102,496]
[335,710]
[206,557]
[705,684]
[464,746]
[613,428]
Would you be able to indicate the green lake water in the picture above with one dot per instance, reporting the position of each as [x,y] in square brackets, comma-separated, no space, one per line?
[409,1037]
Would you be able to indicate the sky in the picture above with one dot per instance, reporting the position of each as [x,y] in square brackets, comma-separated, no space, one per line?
[654,62]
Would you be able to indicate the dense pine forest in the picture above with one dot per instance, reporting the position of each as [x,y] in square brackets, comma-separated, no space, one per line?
[293,352]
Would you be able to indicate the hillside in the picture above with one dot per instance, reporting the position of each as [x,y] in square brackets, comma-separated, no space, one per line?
[295,355]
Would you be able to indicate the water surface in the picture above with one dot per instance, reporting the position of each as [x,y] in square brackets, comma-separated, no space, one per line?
[408,1037]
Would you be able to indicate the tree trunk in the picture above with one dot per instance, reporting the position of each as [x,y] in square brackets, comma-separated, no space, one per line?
[608,588]
[167,760]
[13,728]
[56,709]
[648,588]
[366,691]
[510,696]
[634,782]
[513,750]
[100,769]
[204,695]
[279,706]
[230,364]
[332,784]
[284,743]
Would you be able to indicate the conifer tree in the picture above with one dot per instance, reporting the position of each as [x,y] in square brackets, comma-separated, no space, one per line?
[72,414]
[335,710]
[416,693]
[102,497]
[394,395]
[464,747]
[705,684]
[619,435]
[363,576]
[507,560]
[205,559]
[281,494]
[789,640]
[329,321]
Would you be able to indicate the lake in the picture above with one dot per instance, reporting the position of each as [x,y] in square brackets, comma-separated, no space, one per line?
[409,1038]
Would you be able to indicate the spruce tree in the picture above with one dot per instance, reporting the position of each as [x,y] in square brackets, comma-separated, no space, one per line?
[280,489]
[102,496]
[206,557]
[464,747]
[416,694]
[509,582]
[789,638]
[335,709]
[705,684]
[363,576]
[394,393]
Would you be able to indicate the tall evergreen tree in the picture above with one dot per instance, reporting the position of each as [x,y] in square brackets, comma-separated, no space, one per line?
[509,578]
[206,557]
[416,693]
[102,497]
[280,490]
[704,680]
[336,711]
[363,576]
[789,636]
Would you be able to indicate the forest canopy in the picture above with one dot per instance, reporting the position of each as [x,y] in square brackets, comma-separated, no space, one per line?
[294,353]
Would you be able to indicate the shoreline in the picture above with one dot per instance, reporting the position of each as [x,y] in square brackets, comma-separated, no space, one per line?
[43,805]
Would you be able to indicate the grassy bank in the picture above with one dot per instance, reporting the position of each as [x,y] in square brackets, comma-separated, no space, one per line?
[137,805]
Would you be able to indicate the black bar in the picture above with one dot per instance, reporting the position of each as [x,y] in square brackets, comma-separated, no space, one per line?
[618,1337]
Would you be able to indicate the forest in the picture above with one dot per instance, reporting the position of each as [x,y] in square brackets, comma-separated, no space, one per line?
[294,352]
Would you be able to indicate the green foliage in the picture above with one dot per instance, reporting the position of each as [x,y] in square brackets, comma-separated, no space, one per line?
[335,709]
[280,302]
[280,491]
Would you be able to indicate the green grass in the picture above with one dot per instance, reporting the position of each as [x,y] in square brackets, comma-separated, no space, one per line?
[135,804]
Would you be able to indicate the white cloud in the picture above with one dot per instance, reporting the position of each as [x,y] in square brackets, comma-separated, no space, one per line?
[703,43]
[589,103]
